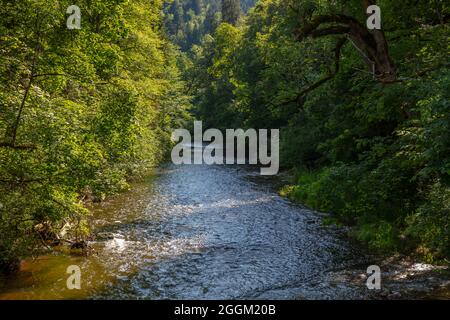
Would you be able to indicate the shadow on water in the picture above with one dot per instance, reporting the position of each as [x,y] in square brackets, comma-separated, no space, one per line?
[199,232]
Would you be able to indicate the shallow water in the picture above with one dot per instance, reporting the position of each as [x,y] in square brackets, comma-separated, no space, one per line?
[199,232]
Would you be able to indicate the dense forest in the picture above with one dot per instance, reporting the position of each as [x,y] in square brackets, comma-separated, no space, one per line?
[188,21]
[364,115]
[81,111]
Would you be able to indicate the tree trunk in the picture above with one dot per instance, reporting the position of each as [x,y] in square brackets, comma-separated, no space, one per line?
[372,45]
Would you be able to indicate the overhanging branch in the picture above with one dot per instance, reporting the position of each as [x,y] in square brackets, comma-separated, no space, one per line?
[337,56]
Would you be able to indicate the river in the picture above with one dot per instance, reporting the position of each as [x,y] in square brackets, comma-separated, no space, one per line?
[200,232]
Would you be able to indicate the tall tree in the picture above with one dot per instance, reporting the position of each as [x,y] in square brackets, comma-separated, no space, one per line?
[373,45]
[231,11]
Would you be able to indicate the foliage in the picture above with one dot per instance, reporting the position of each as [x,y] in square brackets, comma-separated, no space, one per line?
[80,111]
[231,11]
[371,147]
[188,21]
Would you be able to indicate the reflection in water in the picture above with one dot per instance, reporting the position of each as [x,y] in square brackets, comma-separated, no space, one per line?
[198,232]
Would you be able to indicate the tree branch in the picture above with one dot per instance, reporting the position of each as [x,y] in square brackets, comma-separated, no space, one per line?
[330,31]
[18,147]
[50,74]
[371,45]
[337,55]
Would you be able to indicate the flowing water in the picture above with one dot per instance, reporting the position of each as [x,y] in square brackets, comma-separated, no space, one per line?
[199,232]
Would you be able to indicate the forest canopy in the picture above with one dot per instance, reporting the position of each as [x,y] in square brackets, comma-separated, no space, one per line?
[188,21]
[81,112]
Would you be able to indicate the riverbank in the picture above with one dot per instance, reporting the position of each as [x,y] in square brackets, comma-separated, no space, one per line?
[198,232]
[404,276]
[216,232]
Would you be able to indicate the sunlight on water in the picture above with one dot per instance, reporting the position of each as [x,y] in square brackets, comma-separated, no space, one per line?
[204,232]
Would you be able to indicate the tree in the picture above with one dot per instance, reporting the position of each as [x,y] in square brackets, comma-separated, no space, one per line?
[81,112]
[188,21]
[231,11]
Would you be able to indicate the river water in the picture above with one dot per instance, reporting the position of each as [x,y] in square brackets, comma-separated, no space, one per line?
[200,232]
